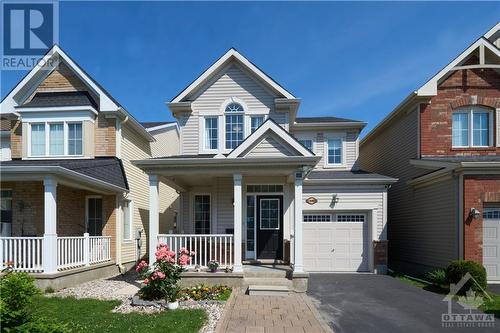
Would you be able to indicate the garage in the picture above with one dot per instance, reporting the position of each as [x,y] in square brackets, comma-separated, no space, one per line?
[335,242]
[491,243]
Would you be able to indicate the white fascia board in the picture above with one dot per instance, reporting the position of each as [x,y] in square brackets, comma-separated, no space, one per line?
[58,170]
[160,127]
[323,125]
[479,165]
[176,162]
[56,109]
[430,87]
[256,136]
[221,62]
[106,104]
[492,31]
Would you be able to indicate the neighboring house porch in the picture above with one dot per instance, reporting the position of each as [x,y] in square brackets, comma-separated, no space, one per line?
[59,215]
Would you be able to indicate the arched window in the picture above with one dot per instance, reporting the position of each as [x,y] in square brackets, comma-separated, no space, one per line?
[234,125]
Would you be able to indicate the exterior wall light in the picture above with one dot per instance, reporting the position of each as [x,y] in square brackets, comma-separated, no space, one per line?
[475,213]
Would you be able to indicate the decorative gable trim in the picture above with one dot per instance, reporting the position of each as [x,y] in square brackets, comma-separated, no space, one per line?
[268,128]
[430,87]
[232,54]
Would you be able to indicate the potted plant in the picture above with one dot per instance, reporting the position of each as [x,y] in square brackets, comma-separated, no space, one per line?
[213,265]
[161,278]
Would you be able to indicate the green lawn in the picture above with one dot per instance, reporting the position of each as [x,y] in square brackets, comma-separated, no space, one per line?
[489,306]
[89,315]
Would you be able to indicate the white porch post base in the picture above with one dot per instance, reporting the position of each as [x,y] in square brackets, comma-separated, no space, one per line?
[238,267]
[49,248]
[153,216]
[298,266]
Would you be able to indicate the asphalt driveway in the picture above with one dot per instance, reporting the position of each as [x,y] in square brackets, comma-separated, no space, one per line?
[379,303]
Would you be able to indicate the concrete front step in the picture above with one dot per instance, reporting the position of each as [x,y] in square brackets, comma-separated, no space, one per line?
[263,290]
[254,281]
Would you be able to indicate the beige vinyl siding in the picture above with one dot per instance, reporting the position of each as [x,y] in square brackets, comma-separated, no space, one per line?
[389,153]
[166,144]
[225,208]
[350,138]
[348,196]
[269,147]
[135,147]
[232,81]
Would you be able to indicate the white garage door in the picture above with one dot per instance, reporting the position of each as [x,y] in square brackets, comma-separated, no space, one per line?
[335,243]
[491,242]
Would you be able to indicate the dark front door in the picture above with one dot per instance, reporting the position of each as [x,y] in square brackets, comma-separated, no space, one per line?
[269,227]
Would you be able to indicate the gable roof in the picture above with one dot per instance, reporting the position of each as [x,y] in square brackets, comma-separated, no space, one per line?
[429,89]
[290,142]
[230,55]
[307,120]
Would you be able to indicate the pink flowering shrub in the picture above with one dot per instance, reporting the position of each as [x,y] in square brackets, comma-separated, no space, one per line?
[160,279]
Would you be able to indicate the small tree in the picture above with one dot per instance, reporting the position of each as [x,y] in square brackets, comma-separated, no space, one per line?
[161,278]
[16,297]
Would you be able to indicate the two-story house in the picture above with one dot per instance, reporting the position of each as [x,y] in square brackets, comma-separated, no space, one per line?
[443,144]
[259,184]
[71,200]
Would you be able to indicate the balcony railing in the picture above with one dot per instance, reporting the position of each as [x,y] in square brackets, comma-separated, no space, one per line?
[206,247]
[23,253]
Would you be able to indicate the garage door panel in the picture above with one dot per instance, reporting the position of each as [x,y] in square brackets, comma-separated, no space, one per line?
[339,246]
[491,243]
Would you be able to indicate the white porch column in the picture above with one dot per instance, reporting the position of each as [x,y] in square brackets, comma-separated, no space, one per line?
[238,208]
[298,266]
[49,254]
[153,216]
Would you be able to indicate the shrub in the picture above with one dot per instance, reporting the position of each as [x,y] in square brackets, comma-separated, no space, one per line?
[16,297]
[49,290]
[160,280]
[437,277]
[205,293]
[457,270]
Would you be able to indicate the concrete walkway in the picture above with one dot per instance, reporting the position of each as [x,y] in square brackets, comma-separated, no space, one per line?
[264,314]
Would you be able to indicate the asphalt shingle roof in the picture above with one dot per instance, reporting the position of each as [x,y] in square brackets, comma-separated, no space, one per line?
[107,169]
[66,98]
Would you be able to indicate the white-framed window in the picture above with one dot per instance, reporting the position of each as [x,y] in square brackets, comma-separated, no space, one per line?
[269,214]
[472,127]
[55,139]
[308,143]
[202,214]
[334,152]
[317,218]
[128,213]
[234,125]
[211,133]
[350,218]
[255,122]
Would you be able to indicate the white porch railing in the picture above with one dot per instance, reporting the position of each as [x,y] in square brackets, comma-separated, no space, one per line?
[100,249]
[206,247]
[24,253]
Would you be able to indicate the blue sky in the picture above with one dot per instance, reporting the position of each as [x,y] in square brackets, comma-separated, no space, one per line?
[354,60]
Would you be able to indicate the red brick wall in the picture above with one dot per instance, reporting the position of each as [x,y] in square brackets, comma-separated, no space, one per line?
[478,191]
[465,87]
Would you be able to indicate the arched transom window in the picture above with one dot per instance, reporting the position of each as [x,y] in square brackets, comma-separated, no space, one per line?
[234,125]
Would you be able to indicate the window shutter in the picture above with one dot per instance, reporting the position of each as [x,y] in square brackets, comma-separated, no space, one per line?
[497,123]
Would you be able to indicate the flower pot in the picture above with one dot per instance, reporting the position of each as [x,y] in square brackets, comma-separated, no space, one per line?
[173,305]
[213,270]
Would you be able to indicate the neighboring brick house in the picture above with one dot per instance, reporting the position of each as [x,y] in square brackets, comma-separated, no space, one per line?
[443,143]
[67,181]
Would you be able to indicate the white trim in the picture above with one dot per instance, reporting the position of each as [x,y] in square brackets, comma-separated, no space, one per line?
[492,31]
[202,135]
[232,53]
[58,116]
[256,136]
[57,109]
[47,140]
[160,127]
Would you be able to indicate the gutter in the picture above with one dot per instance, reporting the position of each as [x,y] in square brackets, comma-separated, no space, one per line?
[371,181]
[221,161]
[135,124]
[58,170]
[349,124]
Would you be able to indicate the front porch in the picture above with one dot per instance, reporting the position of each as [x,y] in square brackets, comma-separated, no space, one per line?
[53,224]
